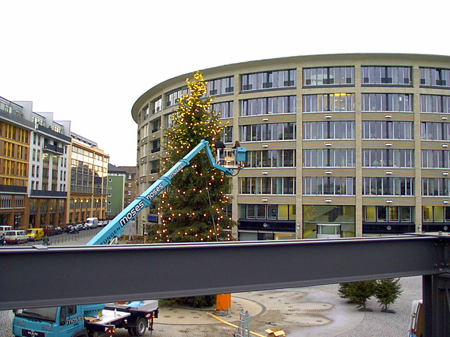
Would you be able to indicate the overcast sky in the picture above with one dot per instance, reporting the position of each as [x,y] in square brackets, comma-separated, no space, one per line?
[88,61]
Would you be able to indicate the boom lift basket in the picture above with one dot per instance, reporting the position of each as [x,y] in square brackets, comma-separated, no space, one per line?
[231,158]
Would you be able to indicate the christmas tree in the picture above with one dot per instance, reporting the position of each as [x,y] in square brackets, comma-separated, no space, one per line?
[193,208]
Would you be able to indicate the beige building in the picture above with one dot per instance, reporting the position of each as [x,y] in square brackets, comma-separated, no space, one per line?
[337,145]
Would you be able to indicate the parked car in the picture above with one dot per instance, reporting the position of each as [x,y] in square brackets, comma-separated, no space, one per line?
[58,230]
[16,236]
[35,234]
[79,226]
[49,230]
[71,229]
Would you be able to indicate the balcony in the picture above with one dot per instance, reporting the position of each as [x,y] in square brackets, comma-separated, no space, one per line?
[53,149]
[13,189]
[53,194]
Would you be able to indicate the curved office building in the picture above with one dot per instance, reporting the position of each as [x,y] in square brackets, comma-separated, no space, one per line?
[337,145]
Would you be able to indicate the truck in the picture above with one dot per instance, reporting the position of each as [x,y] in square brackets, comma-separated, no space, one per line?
[91,222]
[416,319]
[101,320]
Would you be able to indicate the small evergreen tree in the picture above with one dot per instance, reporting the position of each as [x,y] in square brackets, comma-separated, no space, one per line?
[387,291]
[360,292]
[344,290]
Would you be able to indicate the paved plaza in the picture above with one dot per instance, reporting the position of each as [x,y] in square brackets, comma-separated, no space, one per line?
[308,311]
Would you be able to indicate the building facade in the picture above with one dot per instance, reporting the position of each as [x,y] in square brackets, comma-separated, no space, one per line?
[337,145]
[116,191]
[48,169]
[15,135]
[88,180]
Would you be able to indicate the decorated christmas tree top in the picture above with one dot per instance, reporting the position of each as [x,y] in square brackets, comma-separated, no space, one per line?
[194,206]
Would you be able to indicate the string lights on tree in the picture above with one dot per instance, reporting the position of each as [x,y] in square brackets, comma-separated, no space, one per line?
[194,207]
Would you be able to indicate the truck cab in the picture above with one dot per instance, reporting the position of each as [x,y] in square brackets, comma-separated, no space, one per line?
[54,321]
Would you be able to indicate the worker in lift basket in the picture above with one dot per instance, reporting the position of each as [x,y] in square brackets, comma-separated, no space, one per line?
[219,145]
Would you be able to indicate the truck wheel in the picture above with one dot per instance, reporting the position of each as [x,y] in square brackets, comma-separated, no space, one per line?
[141,326]
[132,331]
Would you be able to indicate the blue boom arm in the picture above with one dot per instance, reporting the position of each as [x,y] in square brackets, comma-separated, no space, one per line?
[116,226]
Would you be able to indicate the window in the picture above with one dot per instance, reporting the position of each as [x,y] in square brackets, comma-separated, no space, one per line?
[267,132]
[269,212]
[435,159]
[329,158]
[221,86]
[435,103]
[174,96]
[223,109]
[388,158]
[269,80]
[157,105]
[386,102]
[435,187]
[329,103]
[387,130]
[270,158]
[436,214]
[328,186]
[329,130]
[388,186]
[435,77]
[387,213]
[385,75]
[328,76]
[434,131]
[267,185]
[268,105]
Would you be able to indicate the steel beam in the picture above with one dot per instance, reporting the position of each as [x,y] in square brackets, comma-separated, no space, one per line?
[38,276]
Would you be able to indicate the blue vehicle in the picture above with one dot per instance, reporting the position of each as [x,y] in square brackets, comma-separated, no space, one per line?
[100,320]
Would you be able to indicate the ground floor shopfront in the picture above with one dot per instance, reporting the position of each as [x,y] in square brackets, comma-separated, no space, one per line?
[266,222]
[83,206]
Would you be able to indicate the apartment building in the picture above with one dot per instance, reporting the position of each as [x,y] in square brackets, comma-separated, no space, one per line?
[337,145]
[48,169]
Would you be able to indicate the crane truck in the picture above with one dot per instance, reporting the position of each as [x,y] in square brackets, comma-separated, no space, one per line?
[101,320]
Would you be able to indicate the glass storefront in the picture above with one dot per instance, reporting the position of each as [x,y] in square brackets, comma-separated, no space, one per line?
[317,216]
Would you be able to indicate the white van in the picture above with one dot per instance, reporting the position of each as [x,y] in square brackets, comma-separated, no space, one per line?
[91,222]
[16,236]
[4,229]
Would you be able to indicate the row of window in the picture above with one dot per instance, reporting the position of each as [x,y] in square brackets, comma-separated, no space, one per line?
[388,214]
[395,158]
[371,186]
[335,102]
[267,132]
[374,130]
[405,214]
[313,77]
[267,212]
[269,105]
[329,158]
[270,158]
[6,201]
[267,185]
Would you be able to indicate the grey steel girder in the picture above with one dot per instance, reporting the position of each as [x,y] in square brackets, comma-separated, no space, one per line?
[47,276]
